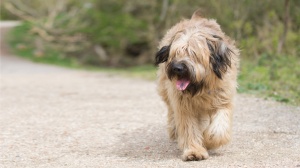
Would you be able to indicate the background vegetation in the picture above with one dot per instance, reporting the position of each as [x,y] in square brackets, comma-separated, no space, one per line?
[119,33]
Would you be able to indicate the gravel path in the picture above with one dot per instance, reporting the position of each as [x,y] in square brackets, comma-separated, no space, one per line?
[55,117]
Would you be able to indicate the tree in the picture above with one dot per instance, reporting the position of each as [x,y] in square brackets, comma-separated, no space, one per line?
[285,23]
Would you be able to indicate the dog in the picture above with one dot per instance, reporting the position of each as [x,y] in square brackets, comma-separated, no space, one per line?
[197,79]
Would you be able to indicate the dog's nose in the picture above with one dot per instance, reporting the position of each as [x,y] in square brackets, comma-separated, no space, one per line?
[178,69]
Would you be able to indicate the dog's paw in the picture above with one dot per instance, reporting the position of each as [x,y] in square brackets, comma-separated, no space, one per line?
[194,155]
[213,141]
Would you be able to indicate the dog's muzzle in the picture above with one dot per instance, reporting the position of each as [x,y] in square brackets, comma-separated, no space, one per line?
[181,72]
[179,69]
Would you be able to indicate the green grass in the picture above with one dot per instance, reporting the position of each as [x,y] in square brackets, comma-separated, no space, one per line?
[269,76]
[272,76]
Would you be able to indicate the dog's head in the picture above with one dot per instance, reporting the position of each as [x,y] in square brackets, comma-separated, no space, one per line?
[194,58]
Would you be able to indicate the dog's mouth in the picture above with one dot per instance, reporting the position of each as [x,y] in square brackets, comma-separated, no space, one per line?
[182,84]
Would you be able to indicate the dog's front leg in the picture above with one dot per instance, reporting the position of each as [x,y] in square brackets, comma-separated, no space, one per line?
[189,135]
[219,131]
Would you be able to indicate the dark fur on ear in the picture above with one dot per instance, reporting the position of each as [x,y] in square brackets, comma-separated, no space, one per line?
[162,55]
[220,56]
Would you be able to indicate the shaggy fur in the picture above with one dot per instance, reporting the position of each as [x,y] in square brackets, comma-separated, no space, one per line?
[196,52]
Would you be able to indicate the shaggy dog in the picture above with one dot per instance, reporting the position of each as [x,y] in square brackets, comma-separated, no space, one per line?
[197,74]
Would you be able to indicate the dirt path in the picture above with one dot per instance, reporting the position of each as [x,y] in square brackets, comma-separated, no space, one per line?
[55,117]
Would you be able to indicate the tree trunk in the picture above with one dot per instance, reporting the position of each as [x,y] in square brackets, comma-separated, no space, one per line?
[285,29]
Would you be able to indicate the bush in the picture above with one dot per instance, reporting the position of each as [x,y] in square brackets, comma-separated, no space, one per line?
[118,33]
[94,32]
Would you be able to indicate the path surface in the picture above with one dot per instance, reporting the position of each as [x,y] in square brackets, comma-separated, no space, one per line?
[55,117]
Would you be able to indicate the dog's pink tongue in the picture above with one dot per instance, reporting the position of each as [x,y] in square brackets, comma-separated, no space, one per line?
[182,84]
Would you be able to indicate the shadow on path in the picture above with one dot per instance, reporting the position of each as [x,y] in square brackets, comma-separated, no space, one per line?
[149,142]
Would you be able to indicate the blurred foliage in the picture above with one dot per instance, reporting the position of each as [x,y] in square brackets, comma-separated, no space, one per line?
[122,33]
[126,33]
[273,76]
[4,14]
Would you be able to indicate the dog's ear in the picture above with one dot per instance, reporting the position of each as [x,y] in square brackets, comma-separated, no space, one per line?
[198,14]
[162,55]
[220,56]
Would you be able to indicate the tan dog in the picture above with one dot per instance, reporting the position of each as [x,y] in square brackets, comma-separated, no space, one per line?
[197,80]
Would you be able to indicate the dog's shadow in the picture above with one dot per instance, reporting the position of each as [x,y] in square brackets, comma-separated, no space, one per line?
[151,142]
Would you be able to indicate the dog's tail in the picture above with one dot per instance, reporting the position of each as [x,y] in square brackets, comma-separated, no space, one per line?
[198,14]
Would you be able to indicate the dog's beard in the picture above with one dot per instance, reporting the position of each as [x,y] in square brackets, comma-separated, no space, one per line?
[195,88]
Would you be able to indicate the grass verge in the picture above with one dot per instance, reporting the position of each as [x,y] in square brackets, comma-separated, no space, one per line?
[272,76]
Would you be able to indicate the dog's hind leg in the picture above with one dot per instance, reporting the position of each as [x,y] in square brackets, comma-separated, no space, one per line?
[171,125]
[218,132]
[162,90]
[189,136]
